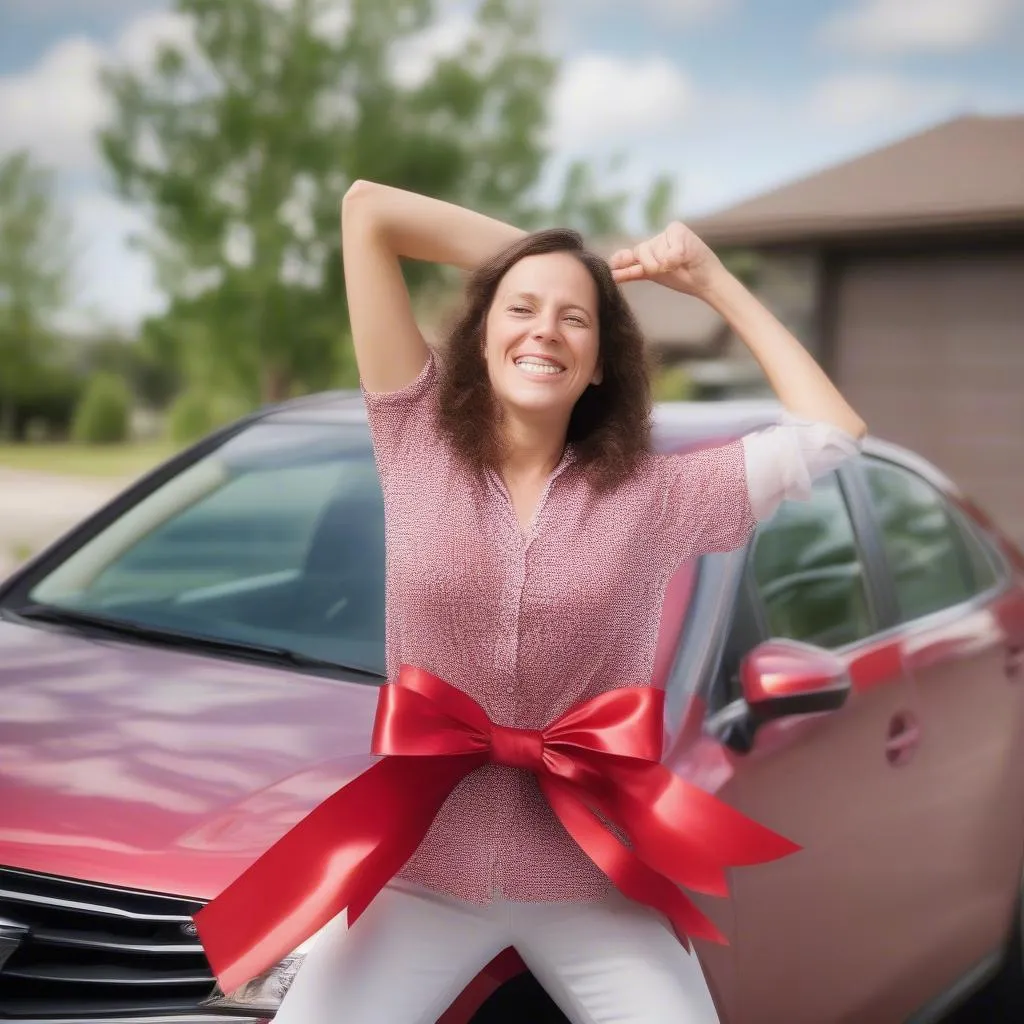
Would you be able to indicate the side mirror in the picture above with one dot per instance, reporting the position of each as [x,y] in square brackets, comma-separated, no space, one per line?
[786,677]
[779,678]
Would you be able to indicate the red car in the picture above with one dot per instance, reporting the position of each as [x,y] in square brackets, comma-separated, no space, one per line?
[195,667]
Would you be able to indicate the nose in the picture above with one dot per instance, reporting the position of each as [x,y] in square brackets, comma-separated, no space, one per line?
[545,328]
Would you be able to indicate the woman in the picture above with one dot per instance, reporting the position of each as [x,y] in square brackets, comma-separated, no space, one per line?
[531,534]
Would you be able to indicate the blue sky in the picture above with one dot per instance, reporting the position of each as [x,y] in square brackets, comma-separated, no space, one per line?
[732,97]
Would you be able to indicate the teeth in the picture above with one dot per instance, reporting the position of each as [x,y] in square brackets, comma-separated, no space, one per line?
[536,366]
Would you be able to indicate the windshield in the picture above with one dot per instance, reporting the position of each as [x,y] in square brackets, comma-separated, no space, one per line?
[276,539]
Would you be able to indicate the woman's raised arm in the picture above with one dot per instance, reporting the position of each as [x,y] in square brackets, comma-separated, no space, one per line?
[379,225]
[678,259]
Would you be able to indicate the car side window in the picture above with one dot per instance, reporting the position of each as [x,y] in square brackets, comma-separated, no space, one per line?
[807,572]
[935,561]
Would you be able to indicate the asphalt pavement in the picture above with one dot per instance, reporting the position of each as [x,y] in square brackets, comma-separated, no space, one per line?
[37,508]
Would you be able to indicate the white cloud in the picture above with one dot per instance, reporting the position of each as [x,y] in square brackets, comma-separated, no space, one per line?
[925,26]
[858,98]
[739,143]
[142,37]
[673,12]
[605,99]
[114,283]
[685,10]
[414,58]
[722,144]
[58,8]
[56,107]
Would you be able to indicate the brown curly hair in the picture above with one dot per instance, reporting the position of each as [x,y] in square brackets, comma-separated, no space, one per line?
[610,425]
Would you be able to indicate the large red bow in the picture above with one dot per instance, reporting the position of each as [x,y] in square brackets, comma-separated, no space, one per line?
[601,758]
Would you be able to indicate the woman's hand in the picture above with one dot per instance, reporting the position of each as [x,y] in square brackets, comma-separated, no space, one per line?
[676,258]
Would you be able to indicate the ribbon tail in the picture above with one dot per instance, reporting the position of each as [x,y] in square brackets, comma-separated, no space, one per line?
[340,855]
[630,874]
[684,832]
[739,840]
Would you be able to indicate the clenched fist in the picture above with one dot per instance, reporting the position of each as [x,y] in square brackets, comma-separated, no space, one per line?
[676,258]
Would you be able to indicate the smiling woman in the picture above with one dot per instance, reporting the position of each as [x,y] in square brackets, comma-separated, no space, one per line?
[530,536]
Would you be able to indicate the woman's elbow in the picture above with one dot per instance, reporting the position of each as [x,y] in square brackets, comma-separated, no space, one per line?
[362,214]
[358,196]
[858,429]
[845,420]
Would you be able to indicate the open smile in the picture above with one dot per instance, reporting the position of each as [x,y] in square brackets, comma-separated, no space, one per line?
[539,367]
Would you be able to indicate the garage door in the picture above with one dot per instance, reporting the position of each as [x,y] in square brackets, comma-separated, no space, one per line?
[931,351]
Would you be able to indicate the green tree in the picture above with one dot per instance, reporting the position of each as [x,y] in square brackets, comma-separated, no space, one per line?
[243,145]
[660,203]
[151,379]
[34,278]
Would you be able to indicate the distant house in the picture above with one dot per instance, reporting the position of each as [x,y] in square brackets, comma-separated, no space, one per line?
[903,271]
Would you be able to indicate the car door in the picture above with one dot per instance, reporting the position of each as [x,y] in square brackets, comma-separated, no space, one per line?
[961,633]
[820,936]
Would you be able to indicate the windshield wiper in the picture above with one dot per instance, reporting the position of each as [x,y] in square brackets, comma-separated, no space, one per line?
[183,639]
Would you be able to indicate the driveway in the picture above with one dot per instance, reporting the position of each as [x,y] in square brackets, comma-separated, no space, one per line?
[36,508]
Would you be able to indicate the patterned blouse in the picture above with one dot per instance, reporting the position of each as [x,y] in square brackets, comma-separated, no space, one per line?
[529,624]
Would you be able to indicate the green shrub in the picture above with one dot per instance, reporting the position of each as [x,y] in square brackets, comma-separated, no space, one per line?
[42,404]
[189,417]
[195,412]
[103,414]
[672,384]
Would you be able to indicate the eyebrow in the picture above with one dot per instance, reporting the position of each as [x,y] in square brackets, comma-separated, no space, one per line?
[532,297]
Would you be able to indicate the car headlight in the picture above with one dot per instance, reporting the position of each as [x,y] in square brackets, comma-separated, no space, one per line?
[266,991]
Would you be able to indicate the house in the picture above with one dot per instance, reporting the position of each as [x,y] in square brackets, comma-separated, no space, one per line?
[903,272]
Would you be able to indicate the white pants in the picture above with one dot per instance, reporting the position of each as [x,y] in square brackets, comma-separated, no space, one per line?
[413,951]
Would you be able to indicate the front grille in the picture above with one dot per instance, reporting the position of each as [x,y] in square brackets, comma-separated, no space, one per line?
[95,949]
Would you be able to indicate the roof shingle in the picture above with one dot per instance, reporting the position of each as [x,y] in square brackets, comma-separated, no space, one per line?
[964,173]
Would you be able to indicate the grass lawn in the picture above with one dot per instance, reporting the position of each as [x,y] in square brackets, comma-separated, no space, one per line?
[86,460]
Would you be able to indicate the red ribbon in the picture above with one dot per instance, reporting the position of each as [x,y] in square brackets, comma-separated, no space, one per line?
[598,762]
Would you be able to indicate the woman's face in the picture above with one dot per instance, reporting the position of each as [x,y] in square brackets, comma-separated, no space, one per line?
[542,332]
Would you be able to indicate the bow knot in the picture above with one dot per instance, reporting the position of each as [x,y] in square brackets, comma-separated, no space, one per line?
[518,748]
[599,763]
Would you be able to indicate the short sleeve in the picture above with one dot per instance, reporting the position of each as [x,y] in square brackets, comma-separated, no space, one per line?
[402,422]
[714,497]
[706,503]
[783,461]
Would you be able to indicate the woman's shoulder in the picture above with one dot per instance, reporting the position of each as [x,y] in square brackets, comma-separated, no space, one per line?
[407,396]
[655,467]
[403,423]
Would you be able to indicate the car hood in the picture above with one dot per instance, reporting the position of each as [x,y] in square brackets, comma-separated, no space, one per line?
[157,769]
